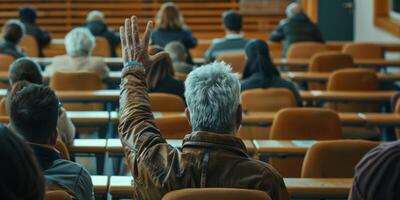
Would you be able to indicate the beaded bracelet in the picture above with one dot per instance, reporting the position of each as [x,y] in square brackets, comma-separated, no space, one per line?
[133,63]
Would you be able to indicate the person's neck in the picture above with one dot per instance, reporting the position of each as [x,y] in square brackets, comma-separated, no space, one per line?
[228,32]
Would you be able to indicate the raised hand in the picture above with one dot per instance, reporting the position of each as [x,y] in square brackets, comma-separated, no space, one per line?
[135,49]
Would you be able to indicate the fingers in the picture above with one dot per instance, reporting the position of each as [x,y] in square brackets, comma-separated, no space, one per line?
[147,34]
[124,47]
[159,56]
[128,38]
[135,32]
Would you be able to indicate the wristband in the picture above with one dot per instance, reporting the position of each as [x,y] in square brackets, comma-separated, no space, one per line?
[133,63]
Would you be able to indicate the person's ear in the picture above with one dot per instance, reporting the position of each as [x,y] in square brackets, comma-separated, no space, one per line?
[187,114]
[53,138]
[239,117]
[184,57]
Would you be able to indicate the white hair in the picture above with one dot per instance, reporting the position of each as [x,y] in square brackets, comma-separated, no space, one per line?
[176,51]
[212,94]
[293,9]
[79,42]
[18,23]
[95,15]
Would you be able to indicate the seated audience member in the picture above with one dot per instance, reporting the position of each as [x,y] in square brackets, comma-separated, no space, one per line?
[297,28]
[25,69]
[170,27]
[260,72]
[28,16]
[178,55]
[12,33]
[234,40]
[79,44]
[95,22]
[34,111]
[211,155]
[377,175]
[160,75]
[21,177]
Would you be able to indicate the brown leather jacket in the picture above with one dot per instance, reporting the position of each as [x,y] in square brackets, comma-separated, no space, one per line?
[205,159]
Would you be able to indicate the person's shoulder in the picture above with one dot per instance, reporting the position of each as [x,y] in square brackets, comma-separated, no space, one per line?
[66,167]
[217,41]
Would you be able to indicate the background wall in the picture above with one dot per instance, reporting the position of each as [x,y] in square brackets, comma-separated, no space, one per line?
[364,29]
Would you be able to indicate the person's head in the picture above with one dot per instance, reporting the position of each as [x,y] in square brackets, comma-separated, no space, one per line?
[258,60]
[159,70]
[13,30]
[169,17]
[79,42]
[232,21]
[95,15]
[176,51]
[25,69]
[21,176]
[27,14]
[34,112]
[293,9]
[377,175]
[212,94]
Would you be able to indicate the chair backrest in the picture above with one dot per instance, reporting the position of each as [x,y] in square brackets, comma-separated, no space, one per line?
[330,61]
[363,50]
[163,102]
[173,127]
[29,46]
[62,148]
[235,59]
[272,99]
[353,79]
[102,48]
[306,124]
[57,195]
[216,194]
[76,81]
[334,159]
[5,61]
[305,49]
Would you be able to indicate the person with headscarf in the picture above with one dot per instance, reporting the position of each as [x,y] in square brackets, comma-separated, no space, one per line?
[377,175]
[260,72]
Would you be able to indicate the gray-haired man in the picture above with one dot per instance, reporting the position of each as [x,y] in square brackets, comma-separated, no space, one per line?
[211,156]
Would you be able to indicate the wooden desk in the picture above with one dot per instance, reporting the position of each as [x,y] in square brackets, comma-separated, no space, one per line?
[324,76]
[374,63]
[100,185]
[283,146]
[88,146]
[121,186]
[115,146]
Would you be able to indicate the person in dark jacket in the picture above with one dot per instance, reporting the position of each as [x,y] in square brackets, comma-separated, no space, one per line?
[297,28]
[160,76]
[95,22]
[377,175]
[234,40]
[260,72]
[171,27]
[34,111]
[28,16]
[12,33]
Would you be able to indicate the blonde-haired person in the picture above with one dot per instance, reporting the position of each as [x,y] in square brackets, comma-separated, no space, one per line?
[79,44]
[171,27]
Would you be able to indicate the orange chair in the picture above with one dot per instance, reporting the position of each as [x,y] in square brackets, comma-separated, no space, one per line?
[62,148]
[163,102]
[216,194]
[264,100]
[304,50]
[328,62]
[363,50]
[173,127]
[235,59]
[29,46]
[5,62]
[397,110]
[334,159]
[57,195]
[302,124]
[102,48]
[180,76]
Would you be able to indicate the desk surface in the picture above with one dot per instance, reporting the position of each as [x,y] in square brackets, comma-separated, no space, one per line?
[376,63]
[100,184]
[121,186]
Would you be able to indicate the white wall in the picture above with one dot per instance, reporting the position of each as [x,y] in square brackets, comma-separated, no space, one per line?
[364,29]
